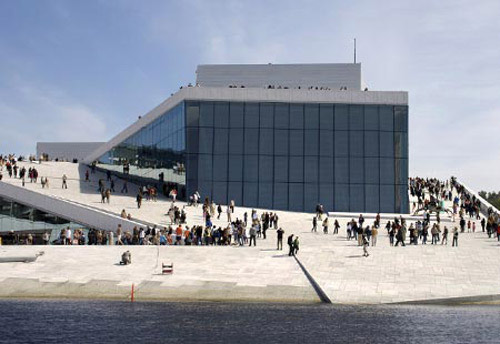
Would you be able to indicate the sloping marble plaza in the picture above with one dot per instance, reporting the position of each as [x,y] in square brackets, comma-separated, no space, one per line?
[422,273]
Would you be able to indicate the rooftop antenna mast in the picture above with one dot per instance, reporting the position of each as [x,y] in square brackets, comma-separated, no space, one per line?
[354,50]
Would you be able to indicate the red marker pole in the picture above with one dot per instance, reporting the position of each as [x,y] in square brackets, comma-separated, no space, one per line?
[132,294]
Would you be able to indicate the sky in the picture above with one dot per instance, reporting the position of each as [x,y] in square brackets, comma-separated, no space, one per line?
[85,70]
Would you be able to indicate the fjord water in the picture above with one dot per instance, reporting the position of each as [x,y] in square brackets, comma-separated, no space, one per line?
[51,321]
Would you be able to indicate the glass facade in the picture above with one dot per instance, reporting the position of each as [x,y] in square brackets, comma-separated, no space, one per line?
[285,156]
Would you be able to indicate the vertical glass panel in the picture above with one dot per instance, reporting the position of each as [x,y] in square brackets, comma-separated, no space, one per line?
[236,115]
[372,198]
[402,201]
[220,167]
[341,200]
[280,169]
[192,114]
[206,140]
[341,143]
[281,116]
[235,141]
[251,141]
[266,142]
[296,142]
[400,144]
[372,170]
[399,169]
[371,143]
[296,116]
[386,171]
[311,116]
[311,142]
[296,169]
[311,196]
[326,142]
[296,196]
[280,142]
[235,192]
[250,194]
[311,169]
[206,114]
[386,118]
[326,170]
[356,144]
[387,199]
[219,192]
[235,168]
[221,115]
[356,170]
[356,117]
[386,144]
[326,194]
[251,168]
[266,115]
[205,189]
[371,117]
[341,117]
[205,167]
[265,195]
[251,115]
[265,168]
[221,141]
[326,119]
[341,170]
[401,118]
[192,140]
[356,198]
[280,196]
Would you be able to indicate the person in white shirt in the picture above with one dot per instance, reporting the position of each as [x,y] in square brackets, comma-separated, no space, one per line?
[68,236]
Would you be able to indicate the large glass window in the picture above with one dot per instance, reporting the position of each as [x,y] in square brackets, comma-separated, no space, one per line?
[267,115]
[221,115]
[236,115]
[251,141]
[326,117]
[296,142]
[341,143]
[266,142]
[296,169]
[311,116]
[280,142]
[206,114]
[296,116]
[251,168]
[251,115]
[386,118]
[281,116]
[326,143]
[341,117]
[356,118]
[221,141]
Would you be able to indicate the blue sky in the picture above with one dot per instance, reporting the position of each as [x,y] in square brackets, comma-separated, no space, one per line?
[84,70]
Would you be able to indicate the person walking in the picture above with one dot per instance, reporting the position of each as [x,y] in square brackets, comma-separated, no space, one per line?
[253,234]
[315,224]
[139,200]
[228,211]
[290,245]
[279,233]
[365,246]
[455,237]
[64,181]
[336,227]
[445,236]
[296,246]
[325,225]
[374,235]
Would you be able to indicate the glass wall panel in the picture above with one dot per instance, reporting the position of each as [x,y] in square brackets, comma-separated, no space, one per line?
[386,144]
[356,143]
[192,143]
[221,141]
[236,141]
[250,194]
[356,170]
[372,198]
[265,168]
[192,114]
[357,197]
[266,142]
[265,195]
[400,144]
[221,115]
[206,140]
[386,118]
[206,114]
[235,192]
[267,115]
[311,116]
[326,143]
[386,171]
[341,197]
[220,168]
[296,196]
[251,115]
[219,192]
[311,196]
[296,142]
[311,142]
[251,141]
[280,169]
[205,167]
[236,115]
[341,117]
[387,198]
[371,117]
[296,116]
[401,118]
[372,170]
[235,168]
[205,188]
[371,143]
[326,117]
[296,169]
[311,169]
[326,170]
[341,143]
[251,168]
[280,142]
[281,116]
[341,166]
[280,196]
[326,194]
[401,176]
[356,118]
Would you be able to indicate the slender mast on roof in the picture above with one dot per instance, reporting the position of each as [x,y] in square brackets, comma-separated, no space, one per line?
[354,50]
